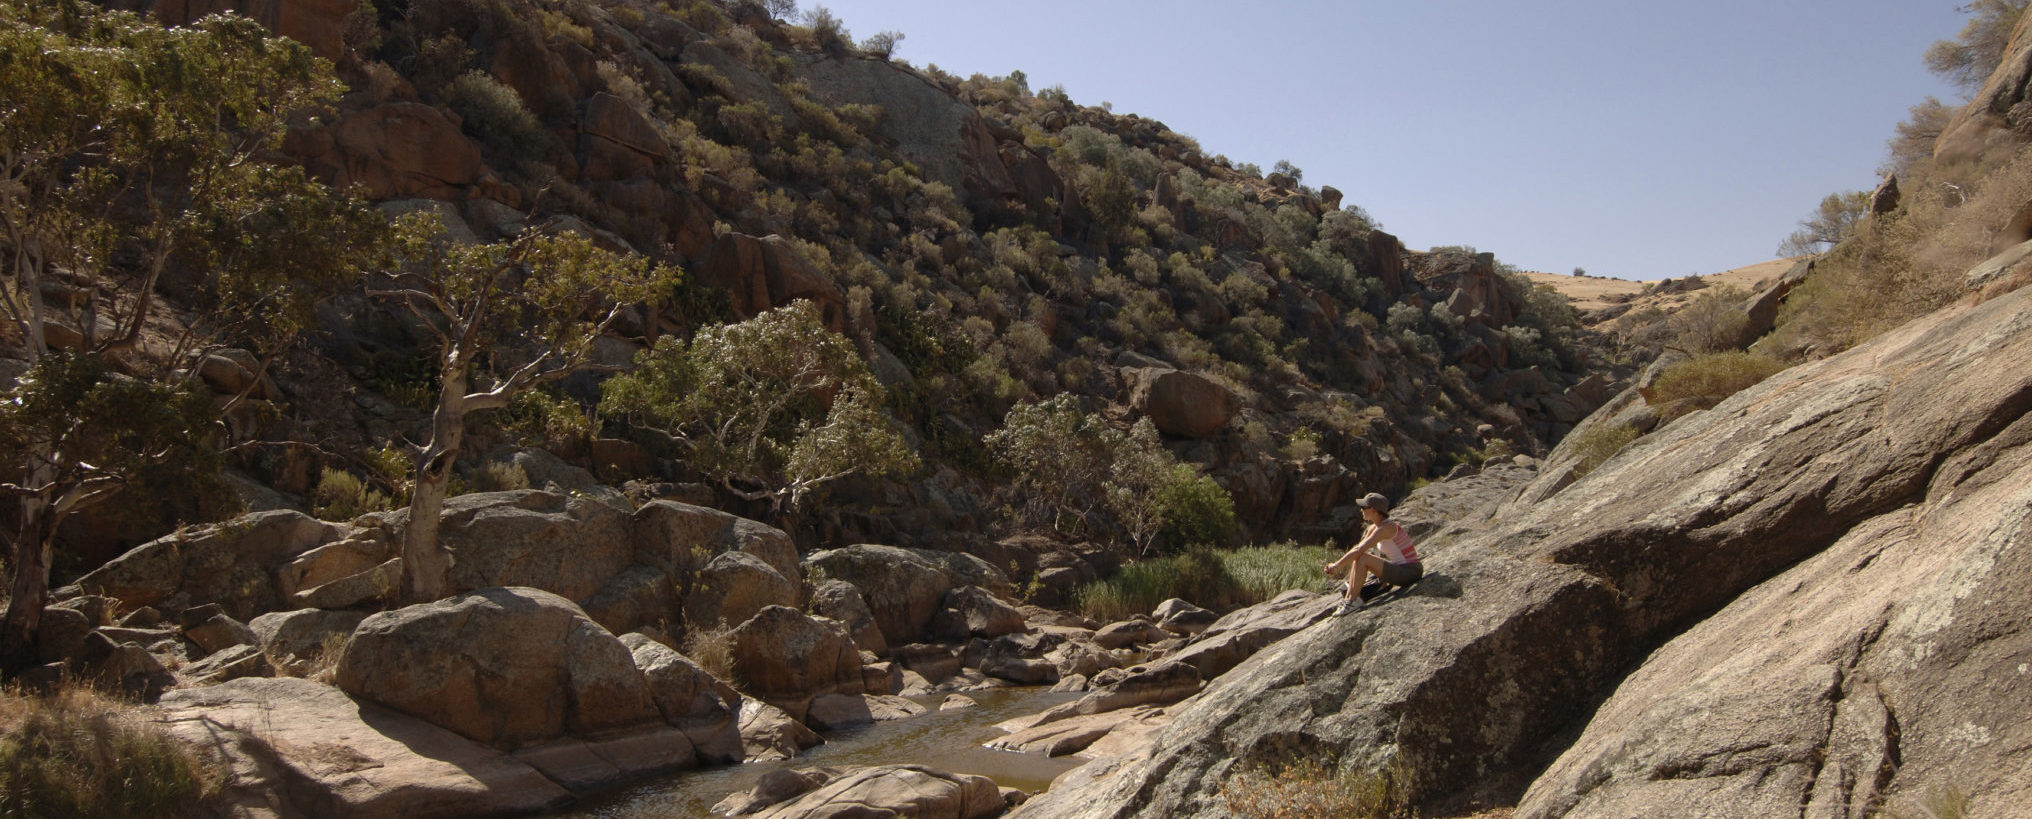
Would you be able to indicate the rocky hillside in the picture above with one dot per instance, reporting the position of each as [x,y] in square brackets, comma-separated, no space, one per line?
[985,244]
[1759,594]
[1804,600]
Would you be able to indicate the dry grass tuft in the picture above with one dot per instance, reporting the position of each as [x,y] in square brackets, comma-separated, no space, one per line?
[1598,444]
[1703,381]
[1305,789]
[712,647]
[77,753]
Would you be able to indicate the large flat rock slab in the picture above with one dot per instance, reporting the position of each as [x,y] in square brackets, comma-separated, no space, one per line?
[1893,656]
[328,754]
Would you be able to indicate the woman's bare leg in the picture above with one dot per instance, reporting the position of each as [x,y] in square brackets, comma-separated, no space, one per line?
[1365,567]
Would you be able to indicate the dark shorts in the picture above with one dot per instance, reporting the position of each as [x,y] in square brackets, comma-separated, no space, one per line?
[1402,574]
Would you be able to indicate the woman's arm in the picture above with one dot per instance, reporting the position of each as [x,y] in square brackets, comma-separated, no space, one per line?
[1369,540]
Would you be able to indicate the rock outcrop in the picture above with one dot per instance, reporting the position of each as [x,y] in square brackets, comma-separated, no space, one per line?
[1181,403]
[734,587]
[300,748]
[896,790]
[505,667]
[1997,113]
[1775,508]
[625,570]
[767,272]
[706,709]
[785,658]
[902,589]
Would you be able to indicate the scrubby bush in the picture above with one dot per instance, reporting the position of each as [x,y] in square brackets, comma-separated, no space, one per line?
[497,115]
[773,408]
[1595,445]
[1937,802]
[76,754]
[342,496]
[1828,225]
[1970,58]
[1081,476]
[1907,263]
[1713,322]
[1707,379]
[882,45]
[711,645]
[500,477]
[1306,787]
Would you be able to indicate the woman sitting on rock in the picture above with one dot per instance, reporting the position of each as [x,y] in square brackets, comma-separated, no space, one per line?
[1397,565]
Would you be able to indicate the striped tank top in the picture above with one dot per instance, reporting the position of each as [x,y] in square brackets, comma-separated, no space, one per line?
[1398,549]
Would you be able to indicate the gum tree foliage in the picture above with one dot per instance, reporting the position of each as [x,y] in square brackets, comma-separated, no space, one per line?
[1828,225]
[1912,142]
[1970,58]
[508,318]
[883,44]
[1087,477]
[130,153]
[773,408]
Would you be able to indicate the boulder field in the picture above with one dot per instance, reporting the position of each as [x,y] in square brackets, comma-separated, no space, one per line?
[556,669]
[1809,600]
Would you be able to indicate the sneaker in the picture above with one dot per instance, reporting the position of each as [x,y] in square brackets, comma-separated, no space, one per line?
[1346,606]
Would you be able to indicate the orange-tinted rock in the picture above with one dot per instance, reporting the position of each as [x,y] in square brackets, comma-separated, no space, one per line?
[1181,403]
[615,142]
[401,149]
[768,272]
[543,80]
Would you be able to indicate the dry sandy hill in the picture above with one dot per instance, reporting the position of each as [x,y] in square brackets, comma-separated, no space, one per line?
[1595,293]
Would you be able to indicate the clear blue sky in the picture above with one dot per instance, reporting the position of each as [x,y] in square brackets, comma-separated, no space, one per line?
[1635,138]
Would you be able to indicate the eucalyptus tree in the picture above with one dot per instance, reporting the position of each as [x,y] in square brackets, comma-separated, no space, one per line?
[507,317]
[773,408]
[130,153]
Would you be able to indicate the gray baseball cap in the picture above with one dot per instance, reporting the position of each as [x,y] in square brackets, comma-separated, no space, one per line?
[1374,500]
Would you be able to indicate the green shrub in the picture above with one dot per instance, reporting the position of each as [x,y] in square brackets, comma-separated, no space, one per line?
[1597,444]
[76,754]
[549,419]
[1195,509]
[1198,577]
[1707,379]
[496,115]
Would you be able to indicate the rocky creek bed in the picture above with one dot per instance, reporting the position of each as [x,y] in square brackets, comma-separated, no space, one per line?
[954,740]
